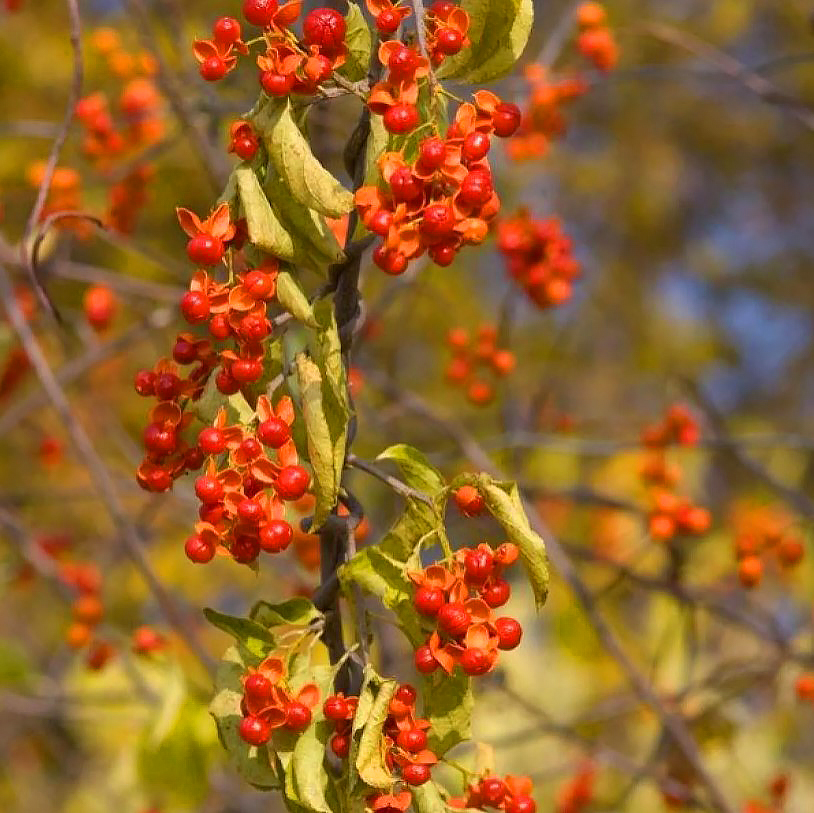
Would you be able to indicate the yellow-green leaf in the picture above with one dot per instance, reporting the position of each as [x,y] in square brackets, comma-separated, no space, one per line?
[265,230]
[358,42]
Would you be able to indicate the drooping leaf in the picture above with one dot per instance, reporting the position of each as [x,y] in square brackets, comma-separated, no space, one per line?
[418,472]
[251,763]
[448,704]
[509,48]
[305,178]
[358,42]
[294,612]
[291,297]
[369,761]
[427,799]
[265,230]
[251,635]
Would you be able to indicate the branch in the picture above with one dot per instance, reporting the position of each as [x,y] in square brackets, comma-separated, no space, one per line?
[397,485]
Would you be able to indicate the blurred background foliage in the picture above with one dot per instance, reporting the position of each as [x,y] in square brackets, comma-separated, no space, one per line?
[688,197]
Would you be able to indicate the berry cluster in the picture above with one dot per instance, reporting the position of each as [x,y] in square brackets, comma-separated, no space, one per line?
[538,257]
[387,16]
[511,794]
[270,703]
[761,532]
[146,640]
[459,598]
[678,427]
[447,27]
[671,515]
[404,735]
[64,195]
[576,794]
[289,64]
[476,363]
[444,199]
[595,40]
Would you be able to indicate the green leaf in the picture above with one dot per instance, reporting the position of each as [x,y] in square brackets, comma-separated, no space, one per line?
[265,230]
[251,763]
[448,704]
[427,799]
[254,637]
[306,179]
[369,757]
[417,470]
[499,32]
[294,612]
[358,42]
[376,144]
[291,297]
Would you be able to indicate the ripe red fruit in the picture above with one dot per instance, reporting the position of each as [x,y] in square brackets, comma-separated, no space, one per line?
[195,307]
[478,566]
[340,745]
[402,63]
[336,708]
[212,441]
[245,147]
[431,153]
[506,119]
[509,633]
[401,118]
[274,432]
[298,716]
[443,254]
[246,371]
[390,261]
[276,536]
[750,571]
[425,662]
[277,84]
[415,774]
[476,188]
[475,146]
[198,550]
[254,730]
[406,695]
[404,186]
[259,284]
[442,8]
[250,448]
[184,351]
[258,688]
[429,600]
[292,482]
[469,501]
[159,480]
[167,386]
[245,549]
[388,21]
[212,69]
[259,12]
[324,27]
[203,249]
[493,791]
[226,30]
[144,383]
[438,221]
[449,41]
[412,740]
[497,593]
[520,804]
[219,327]
[380,222]
[250,511]
[475,661]
[453,619]
[99,304]
[208,490]
[159,439]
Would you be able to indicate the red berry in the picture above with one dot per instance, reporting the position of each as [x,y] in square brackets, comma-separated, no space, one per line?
[226,31]
[219,327]
[258,688]
[509,633]
[259,284]
[292,482]
[437,222]
[340,745]
[336,708]
[297,717]
[469,501]
[449,41]
[406,694]
[184,351]
[425,662]
[250,448]
[245,549]
[401,118]
[277,84]
[475,146]
[144,383]
[274,432]
[209,490]
[198,550]
[254,328]
[159,439]
[324,27]
[388,21]
[476,188]
[415,774]
[402,63]
[203,249]
[250,511]
[212,514]
[212,441]
[167,386]
[478,566]
[226,383]
[412,740]
[520,804]
[255,730]
[431,153]
[429,600]
[442,8]
[276,536]
[246,371]
[380,222]
[159,480]
[193,459]
[259,12]
[493,791]
[213,68]
[390,260]
[453,619]
[506,119]
[245,147]
[475,661]
[443,254]
[497,593]
[195,307]
[405,187]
